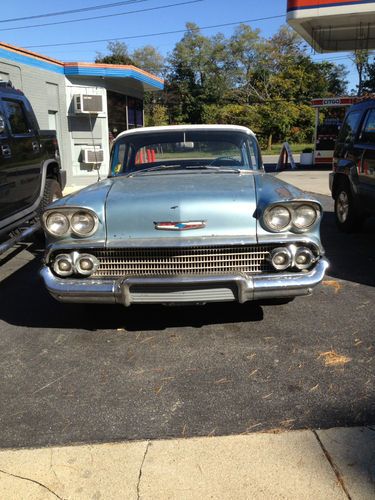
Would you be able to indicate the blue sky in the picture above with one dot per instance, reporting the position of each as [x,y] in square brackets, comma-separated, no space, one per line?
[204,13]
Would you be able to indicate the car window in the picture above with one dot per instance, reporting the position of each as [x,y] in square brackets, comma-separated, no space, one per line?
[16,117]
[368,131]
[185,149]
[349,128]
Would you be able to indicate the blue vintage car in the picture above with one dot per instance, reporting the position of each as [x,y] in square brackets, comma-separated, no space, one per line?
[186,215]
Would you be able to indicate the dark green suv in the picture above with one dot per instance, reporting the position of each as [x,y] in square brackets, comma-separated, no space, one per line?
[352,181]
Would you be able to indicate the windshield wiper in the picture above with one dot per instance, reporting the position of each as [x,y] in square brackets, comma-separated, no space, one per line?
[214,168]
[154,169]
[186,167]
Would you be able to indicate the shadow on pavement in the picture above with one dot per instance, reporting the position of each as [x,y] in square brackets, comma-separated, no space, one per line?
[351,256]
[24,290]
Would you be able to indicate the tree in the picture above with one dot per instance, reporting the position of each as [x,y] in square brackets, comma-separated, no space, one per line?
[118,54]
[149,59]
[360,59]
[368,84]
[197,75]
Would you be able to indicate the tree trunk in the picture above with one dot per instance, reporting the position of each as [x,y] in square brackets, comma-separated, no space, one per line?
[269,144]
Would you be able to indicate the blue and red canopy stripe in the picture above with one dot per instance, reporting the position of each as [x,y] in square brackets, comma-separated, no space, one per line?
[315,4]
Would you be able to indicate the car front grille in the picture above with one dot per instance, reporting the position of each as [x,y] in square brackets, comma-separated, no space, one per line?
[221,260]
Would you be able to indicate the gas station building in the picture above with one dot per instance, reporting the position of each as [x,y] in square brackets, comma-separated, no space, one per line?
[332,26]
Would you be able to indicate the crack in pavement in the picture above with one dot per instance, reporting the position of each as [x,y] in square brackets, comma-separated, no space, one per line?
[333,465]
[140,470]
[32,481]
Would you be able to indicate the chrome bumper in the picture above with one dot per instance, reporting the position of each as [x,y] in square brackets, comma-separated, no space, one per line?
[185,290]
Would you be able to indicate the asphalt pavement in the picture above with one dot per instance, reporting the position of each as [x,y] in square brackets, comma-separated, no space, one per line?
[86,374]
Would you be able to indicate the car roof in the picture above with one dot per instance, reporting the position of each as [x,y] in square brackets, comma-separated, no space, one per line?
[366,103]
[185,128]
[6,87]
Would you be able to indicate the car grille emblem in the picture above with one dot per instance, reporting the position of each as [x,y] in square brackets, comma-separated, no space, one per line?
[179,226]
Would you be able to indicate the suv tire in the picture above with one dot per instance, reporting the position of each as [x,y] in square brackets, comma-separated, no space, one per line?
[52,192]
[347,217]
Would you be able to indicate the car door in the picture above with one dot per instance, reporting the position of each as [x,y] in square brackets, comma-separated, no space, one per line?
[366,163]
[6,181]
[25,152]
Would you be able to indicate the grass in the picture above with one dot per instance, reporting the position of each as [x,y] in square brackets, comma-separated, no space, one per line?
[276,148]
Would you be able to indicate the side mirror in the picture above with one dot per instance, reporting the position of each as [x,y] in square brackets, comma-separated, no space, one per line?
[2,125]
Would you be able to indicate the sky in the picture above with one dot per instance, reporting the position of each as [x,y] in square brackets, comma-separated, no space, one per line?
[153,16]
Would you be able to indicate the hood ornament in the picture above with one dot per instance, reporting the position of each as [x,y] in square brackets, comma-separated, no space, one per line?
[179,226]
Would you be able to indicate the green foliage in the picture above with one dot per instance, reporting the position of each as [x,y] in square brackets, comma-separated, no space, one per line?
[245,79]
[231,114]
[118,54]
[157,115]
[149,59]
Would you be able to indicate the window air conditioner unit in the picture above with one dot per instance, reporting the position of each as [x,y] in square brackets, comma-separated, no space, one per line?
[86,104]
[92,155]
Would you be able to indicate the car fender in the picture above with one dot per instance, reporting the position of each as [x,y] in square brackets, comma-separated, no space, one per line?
[31,210]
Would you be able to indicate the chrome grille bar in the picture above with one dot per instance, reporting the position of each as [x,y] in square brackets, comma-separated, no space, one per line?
[219,260]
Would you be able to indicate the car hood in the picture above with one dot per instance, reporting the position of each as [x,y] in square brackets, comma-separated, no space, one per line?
[225,202]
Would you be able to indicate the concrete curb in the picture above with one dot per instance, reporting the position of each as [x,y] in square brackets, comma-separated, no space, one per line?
[333,464]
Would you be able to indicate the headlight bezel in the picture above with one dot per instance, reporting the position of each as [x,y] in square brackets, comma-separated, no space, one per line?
[54,214]
[69,213]
[295,215]
[293,208]
[268,211]
[86,213]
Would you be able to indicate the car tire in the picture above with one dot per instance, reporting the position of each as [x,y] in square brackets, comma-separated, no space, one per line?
[52,192]
[347,217]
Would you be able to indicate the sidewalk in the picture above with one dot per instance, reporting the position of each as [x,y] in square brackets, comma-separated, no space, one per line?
[308,180]
[333,464]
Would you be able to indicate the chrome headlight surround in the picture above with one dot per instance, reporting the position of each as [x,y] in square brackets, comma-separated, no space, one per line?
[301,212]
[281,258]
[297,211]
[275,212]
[69,265]
[76,220]
[82,267]
[52,218]
[71,214]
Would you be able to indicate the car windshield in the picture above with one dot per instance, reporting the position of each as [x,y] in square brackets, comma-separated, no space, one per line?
[185,150]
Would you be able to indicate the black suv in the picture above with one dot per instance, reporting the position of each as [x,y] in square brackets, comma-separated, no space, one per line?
[30,173]
[352,181]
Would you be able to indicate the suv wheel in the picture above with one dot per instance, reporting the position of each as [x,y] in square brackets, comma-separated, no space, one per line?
[52,192]
[347,217]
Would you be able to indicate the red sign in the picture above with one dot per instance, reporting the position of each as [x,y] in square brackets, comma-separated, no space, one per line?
[333,102]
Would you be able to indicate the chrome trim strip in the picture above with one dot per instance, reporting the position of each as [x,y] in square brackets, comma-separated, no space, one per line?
[260,287]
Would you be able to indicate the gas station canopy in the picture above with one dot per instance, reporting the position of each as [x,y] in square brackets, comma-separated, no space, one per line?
[334,25]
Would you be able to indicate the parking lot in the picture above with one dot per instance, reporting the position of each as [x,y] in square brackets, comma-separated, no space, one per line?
[79,373]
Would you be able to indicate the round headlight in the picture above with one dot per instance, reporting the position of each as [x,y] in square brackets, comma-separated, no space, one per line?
[57,224]
[304,216]
[83,223]
[63,265]
[281,258]
[304,258]
[86,264]
[277,218]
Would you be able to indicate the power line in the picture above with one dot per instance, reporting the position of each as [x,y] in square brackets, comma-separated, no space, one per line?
[102,17]
[75,11]
[155,34]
